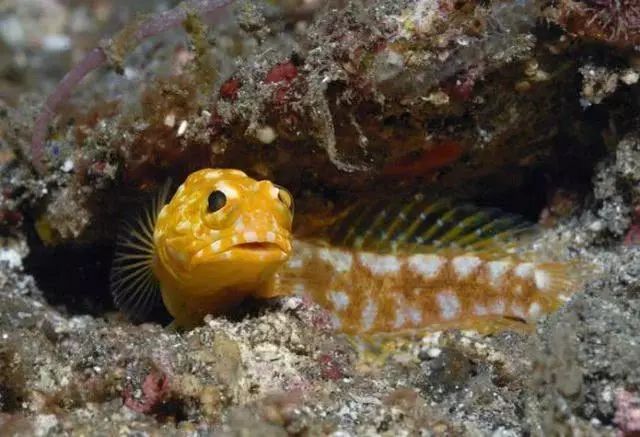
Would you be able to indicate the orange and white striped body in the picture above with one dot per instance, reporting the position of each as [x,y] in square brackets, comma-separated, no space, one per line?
[370,293]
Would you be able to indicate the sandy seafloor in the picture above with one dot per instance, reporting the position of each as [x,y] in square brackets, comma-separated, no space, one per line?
[71,365]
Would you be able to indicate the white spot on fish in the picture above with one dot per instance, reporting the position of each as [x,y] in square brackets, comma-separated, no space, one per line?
[518,311]
[228,190]
[339,299]
[270,236]
[183,226]
[369,314]
[542,279]
[480,310]
[400,319]
[215,246]
[428,266]
[449,304]
[523,270]
[415,315]
[465,265]
[497,270]
[535,310]
[212,174]
[497,307]
[340,260]
[380,264]
[239,225]
[250,237]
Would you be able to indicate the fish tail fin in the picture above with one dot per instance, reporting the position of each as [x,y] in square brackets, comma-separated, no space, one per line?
[557,282]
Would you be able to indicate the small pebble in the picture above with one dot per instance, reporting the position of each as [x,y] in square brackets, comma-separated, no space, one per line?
[67,166]
[266,134]
[630,77]
[182,128]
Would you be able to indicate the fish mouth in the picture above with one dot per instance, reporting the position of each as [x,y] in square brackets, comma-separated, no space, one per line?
[275,247]
[260,246]
[257,246]
[259,251]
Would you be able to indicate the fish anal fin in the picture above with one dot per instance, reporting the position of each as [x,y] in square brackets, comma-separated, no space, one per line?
[373,350]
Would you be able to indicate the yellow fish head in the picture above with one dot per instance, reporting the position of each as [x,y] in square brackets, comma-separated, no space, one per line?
[222,230]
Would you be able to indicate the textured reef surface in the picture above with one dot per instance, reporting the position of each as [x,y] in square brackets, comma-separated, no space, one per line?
[527,105]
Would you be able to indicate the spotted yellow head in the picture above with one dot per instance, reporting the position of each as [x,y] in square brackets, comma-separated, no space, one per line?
[220,239]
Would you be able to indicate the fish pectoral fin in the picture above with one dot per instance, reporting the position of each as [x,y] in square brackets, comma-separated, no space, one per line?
[270,290]
[134,286]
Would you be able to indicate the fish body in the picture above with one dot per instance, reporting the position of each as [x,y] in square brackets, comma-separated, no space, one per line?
[370,293]
[408,265]
[220,239]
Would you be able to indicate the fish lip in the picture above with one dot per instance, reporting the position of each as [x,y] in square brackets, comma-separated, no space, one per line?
[280,242]
[259,246]
[257,252]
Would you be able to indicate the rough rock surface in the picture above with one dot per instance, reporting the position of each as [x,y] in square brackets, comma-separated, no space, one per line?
[525,105]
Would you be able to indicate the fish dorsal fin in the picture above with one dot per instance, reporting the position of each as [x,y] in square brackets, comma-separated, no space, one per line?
[417,224]
[134,287]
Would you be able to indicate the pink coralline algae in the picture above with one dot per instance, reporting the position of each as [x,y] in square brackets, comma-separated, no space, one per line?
[281,73]
[229,89]
[627,416]
[616,22]
[154,390]
[330,368]
[632,236]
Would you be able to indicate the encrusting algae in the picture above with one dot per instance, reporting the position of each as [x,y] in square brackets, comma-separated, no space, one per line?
[380,268]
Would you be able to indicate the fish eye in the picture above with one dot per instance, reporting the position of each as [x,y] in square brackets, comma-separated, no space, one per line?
[216,201]
[285,197]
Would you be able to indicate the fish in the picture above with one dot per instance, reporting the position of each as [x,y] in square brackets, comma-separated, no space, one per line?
[406,266]
[380,267]
[218,240]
